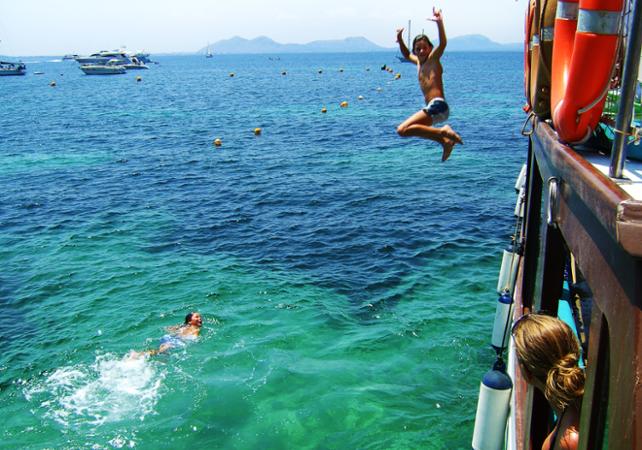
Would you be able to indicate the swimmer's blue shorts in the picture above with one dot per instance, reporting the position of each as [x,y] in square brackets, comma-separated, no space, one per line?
[172,341]
[437,109]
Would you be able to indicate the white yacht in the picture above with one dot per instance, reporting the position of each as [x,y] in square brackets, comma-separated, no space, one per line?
[111,67]
[11,68]
[104,56]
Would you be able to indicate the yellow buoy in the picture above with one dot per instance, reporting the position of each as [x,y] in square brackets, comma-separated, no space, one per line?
[53,83]
[218,142]
[232,74]
[257,131]
[343,104]
[324,110]
[397,76]
[139,78]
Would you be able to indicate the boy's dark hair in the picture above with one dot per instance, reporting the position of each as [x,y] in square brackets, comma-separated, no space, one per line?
[420,37]
[188,318]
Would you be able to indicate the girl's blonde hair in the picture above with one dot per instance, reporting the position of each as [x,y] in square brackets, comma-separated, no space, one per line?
[547,348]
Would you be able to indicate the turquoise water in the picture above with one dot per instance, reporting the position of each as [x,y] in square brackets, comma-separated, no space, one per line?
[345,275]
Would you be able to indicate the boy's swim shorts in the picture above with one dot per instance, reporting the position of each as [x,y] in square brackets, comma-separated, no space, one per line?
[437,109]
[171,341]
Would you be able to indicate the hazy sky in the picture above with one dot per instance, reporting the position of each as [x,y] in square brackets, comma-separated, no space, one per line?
[45,27]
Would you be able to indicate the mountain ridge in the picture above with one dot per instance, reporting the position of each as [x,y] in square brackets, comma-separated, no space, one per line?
[352,44]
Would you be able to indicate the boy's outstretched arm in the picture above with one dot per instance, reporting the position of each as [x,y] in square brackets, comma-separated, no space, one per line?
[402,47]
[438,18]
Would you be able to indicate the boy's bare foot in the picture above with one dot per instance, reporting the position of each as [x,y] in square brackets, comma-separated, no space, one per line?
[451,134]
[448,145]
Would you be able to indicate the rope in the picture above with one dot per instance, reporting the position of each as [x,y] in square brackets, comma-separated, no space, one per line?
[509,319]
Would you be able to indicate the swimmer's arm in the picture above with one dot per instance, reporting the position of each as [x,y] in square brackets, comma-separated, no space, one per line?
[402,47]
[439,20]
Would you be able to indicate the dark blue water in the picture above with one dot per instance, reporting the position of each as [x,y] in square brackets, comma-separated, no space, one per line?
[345,274]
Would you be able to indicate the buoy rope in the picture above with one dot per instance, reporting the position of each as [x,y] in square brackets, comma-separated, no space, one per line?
[515,248]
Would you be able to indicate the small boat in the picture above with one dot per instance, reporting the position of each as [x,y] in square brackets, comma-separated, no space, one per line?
[135,64]
[111,67]
[208,53]
[10,68]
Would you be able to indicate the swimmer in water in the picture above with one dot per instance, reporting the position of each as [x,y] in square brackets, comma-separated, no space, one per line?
[177,337]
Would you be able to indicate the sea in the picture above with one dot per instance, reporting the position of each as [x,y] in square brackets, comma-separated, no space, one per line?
[346,276]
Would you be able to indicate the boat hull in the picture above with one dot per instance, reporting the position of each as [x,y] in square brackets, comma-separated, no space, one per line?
[103,70]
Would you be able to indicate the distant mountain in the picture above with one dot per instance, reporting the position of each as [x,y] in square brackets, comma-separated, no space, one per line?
[263,44]
[479,43]
[266,45]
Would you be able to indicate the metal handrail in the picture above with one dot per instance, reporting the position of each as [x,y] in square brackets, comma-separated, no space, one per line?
[627,95]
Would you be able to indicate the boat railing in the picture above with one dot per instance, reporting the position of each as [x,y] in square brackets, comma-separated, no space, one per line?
[629,85]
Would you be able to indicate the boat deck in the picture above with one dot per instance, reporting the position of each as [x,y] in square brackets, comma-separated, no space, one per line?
[632,181]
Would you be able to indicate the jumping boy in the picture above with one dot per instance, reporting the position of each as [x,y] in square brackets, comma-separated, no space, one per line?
[429,71]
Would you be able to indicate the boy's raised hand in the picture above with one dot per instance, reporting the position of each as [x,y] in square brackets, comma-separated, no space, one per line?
[436,15]
[399,31]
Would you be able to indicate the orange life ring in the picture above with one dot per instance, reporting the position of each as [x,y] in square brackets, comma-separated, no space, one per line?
[584,51]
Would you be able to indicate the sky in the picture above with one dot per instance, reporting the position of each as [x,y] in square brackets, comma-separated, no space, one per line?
[45,27]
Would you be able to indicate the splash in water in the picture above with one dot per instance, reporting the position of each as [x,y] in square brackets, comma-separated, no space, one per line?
[109,390]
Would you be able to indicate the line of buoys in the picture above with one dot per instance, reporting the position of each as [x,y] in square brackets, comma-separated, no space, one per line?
[257,131]
[492,408]
[324,110]
[217,142]
[397,76]
[343,104]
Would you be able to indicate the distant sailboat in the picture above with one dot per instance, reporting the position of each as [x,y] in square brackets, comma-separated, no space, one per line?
[409,43]
[208,53]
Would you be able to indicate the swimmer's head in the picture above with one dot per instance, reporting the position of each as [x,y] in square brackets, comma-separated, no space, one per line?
[421,46]
[194,319]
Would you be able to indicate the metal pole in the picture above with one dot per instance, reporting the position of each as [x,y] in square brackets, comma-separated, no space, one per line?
[627,96]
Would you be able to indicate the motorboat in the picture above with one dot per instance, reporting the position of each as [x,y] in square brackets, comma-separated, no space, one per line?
[142,57]
[111,67]
[103,56]
[11,68]
[135,65]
